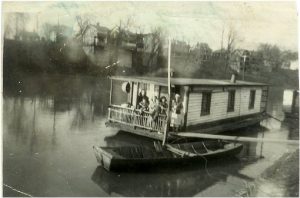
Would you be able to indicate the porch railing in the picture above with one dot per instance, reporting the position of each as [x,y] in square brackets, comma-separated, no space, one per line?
[135,118]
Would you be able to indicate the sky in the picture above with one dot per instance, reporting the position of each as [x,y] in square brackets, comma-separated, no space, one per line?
[253,22]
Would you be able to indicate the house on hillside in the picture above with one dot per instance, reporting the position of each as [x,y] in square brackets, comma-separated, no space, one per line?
[180,48]
[202,51]
[291,65]
[113,47]
[100,37]
[60,33]
[294,65]
[219,54]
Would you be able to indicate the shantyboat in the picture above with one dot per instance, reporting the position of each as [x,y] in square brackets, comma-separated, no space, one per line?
[141,157]
[208,106]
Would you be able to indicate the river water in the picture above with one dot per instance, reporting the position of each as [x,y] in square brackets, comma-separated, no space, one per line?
[50,124]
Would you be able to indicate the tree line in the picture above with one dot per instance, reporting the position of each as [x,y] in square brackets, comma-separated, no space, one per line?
[65,53]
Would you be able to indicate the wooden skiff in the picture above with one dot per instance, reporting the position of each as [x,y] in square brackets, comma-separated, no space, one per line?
[140,157]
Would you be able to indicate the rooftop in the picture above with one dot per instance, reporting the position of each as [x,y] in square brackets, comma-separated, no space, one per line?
[185,81]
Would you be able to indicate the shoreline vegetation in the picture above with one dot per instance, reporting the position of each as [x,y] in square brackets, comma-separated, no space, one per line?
[41,57]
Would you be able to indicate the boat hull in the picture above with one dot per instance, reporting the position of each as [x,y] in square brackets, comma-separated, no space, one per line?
[113,162]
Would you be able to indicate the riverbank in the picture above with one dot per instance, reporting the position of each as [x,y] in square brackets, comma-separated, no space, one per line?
[279,180]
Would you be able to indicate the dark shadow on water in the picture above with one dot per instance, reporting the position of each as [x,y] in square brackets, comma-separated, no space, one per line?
[186,180]
[180,181]
[292,124]
[249,151]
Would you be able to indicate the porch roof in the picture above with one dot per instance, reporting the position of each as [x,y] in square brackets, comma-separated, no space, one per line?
[185,81]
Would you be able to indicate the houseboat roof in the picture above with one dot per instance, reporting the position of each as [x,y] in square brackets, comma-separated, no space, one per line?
[185,81]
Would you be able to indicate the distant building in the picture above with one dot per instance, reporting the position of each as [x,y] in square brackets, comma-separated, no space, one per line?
[59,33]
[294,65]
[219,54]
[108,46]
[100,37]
[180,48]
[291,65]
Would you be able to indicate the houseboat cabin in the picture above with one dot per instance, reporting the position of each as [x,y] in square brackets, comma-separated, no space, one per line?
[140,105]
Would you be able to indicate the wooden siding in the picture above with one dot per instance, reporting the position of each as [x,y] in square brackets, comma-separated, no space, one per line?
[219,102]
[245,99]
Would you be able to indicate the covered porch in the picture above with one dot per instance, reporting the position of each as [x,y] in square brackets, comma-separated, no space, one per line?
[136,119]
[125,113]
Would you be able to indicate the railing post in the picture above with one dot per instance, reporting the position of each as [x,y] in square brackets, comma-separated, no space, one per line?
[109,112]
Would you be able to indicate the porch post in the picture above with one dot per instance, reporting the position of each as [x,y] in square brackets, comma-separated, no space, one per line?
[169,94]
[111,89]
[186,104]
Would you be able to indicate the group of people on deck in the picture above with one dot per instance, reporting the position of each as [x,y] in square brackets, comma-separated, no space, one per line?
[159,106]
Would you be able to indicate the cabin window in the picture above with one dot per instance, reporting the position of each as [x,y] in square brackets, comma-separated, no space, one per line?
[231,101]
[252,99]
[205,105]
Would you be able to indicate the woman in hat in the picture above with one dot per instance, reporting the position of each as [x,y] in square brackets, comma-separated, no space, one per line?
[164,105]
[176,118]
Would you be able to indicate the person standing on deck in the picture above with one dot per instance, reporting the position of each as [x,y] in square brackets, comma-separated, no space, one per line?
[154,110]
[141,96]
[144,106]
[176,118]
[164,105]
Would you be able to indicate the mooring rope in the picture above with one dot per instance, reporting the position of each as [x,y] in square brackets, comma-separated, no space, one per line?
[17,190]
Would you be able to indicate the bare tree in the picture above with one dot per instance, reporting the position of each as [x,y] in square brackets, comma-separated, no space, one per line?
[15,23]
[155,45]
[21,21]
[230,48]
[8,28]
[84,25]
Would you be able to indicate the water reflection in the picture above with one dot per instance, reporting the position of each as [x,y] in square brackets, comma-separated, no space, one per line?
[292,126]
[33,141]
[54,138]
[50,126]
[19,121]
[184,181]
[187,181]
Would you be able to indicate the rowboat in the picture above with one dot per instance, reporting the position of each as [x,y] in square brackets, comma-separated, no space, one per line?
[141,157]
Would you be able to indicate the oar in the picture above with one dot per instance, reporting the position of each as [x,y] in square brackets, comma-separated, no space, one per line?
[179,151]
[234,138]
